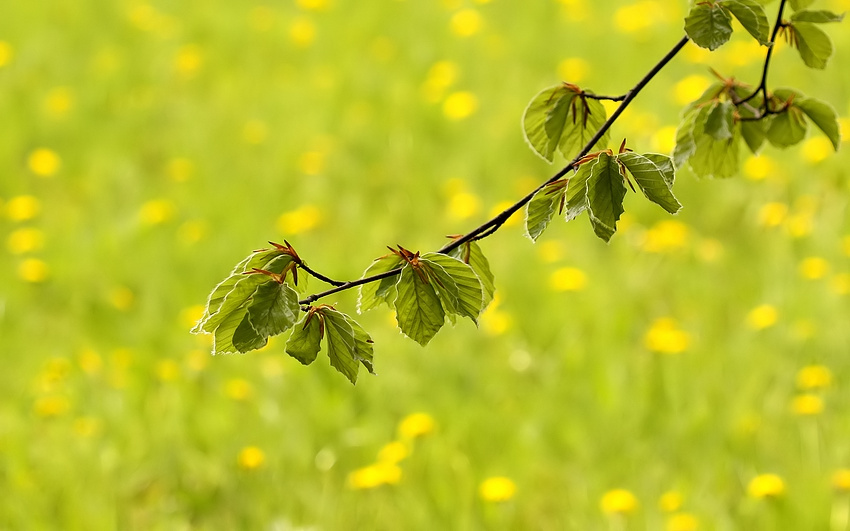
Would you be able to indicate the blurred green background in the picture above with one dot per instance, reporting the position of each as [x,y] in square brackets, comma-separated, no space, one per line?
[693,374]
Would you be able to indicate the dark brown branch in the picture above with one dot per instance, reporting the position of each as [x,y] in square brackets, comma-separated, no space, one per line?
[608,98]
[762,87]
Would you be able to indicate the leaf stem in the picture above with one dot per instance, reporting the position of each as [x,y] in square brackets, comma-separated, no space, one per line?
[493,225]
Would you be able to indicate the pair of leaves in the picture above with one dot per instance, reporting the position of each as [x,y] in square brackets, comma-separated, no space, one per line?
[562,118]
[347,344]
[709,24]
[599,187]
[430,288]
[813,43]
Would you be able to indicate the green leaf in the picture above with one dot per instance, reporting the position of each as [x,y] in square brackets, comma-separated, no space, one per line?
[823,116]
[472,255]
[714,158]
[685,137]
[813,43]
[752,17]
[274,308]
[548,108]
[467,287]
[341,343]
[708,25]
[605,192]
[817,17]
[720,120]
[383,291]
[654,174]
[223,334]
[246,337]
[787,128]
[797,5]
[753,132]
[586,117]
[542,207]
[576,198]
[239,293]
[363,349]
[418,310]
[305,341]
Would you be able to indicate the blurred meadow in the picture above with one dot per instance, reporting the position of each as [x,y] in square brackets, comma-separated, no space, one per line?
[693,374]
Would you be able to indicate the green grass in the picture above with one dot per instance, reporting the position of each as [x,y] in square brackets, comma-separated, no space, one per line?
[113,416]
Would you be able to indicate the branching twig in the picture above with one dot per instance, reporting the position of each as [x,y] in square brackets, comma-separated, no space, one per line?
[762,87]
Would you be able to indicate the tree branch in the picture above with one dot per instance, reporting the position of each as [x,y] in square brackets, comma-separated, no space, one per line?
[491,226]
[762,87]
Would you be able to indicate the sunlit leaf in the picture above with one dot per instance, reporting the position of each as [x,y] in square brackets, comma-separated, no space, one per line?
[539,122]
[223,334]
[817,17]
[363,348]
[654,174]
[797,5]
[383,291]
[752,17]
[583,121]
[471,254]
[813,43]
[720,120]
[713,158]
[576,198]
[341,344]
[468,290]
[605,193]
[787,128]
[823,116]
[246,337]
[542,207]
[754,132]
[274,308]
[685,137]
[709,25]
[305,341]
[418,310]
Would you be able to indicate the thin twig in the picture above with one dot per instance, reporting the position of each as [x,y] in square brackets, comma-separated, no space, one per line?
[762,87]
[320,276]
[608,98]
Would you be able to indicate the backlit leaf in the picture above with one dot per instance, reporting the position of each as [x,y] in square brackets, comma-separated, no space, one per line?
[605,193]
[752,17]
[418,310]
[713,158]
[383,291]
[541,208]
[797,5]
[813,43]
[654,174]
[817,17]
[823,116]
[787,128]
[720,120]
[274,308]
[363,348]
[576,198]
[305,341]
[469,291]
[708,25]
[582,124]
[539,122]
[341,343]
[471,254]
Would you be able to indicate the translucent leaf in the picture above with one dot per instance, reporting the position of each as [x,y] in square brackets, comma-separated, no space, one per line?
[752,17]
[685,137]
[583,121]
[720,120]
[418,310]
[787,128]
[246,337]
[797,5]
[539,123]
[817,17]
[274,308]
[383,291]
[708,25]
[654,174]
[714,158]
[223,334]
[605,193]
[576,198]
[239,293]
[541,208]
[362,343]
[823,116]
[467,287]
[305,341]
[813,43]
[472,255]
[341,344]
[753,132]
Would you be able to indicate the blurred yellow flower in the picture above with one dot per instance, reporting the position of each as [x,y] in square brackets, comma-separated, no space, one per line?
[121,297]
[192,231]
[251,458]
[180,169]
[773,214]
[495,322]
[766,486]
[25,240]
[759,167]
[191,315]
[90,361]
[682,522]
[314,5]
[618,501]
[167,370]
[254,132]
[762,316]
[573,69]
[58,102]
[238,389]
[311,162]
[302,32]
[393,452]
[807,405]
[33,270]
[671,501]
[799,225]
[710,250]
[299,220]
[640,16]
[665,337]
[697,54]
[816,149]
[86,427]
[52,406]
[197,360]
[416,425]
[568,279]
[463,205]
[690,88]
[5,53]
[460,105]
[666,236]
[550,251]
[44,162]
[664,139]
[840,284]
[497,489]
[374,475]
[156,211]
[742,53]
[841,480]
[813,268]
[441,76]
[500,207]
[466,22]
[188,60]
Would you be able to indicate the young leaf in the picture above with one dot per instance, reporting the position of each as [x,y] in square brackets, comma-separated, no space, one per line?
[223,334]
[752,17]
[274,308]
[823,116]
[720,120]
[787,128]
[418,310]
[469,291]
[305,341]
[818,17]
[470,253]
[246,337]
[605,192]
[685,137]
[362,343]
[797,5]
[383,291]
[585,118]
[240,291]
[576,198]
[341,344]
[542,207]
[753,132]
[709,25]
[654,175]
[813,43]
[540,119]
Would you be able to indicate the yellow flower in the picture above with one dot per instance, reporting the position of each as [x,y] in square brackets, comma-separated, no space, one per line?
[759,167]
[841,480]
[23,208]
[766,486]
[180,169]
[460,105]
[255,132]
[816,149]
[299,220]
[666,236]
[814,377]
[44,162]
[5,53]
[665,337]
[763,316]
[25,240]
[773,214]
[618,501]
[497,489]
[466,22]
[167,370]
[568,279]
[813,268]
[251,458]
[463,205]
[90,361]
[314,5]
[52,406]
[416,425]
[664,139]
[33,270]
[156,211]
[393,452]
[807,405]
[690,88]
[374,475]
[639,17]
[238,389]
[671,501]
[302,32]
[188,60]
[573,69]
[682,522]
[495,322]
[58,102]
[441,76]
